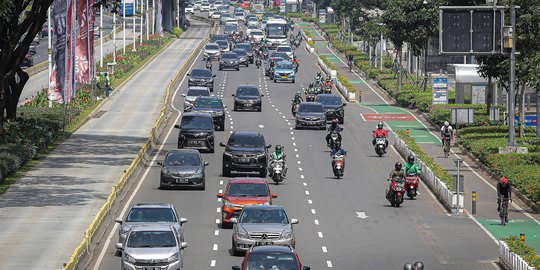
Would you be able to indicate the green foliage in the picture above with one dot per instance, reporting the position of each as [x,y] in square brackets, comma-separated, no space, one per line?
[439,171]
[414,99]
[343,80]
[176,31]
[523,250]
[441,112]
[327,62]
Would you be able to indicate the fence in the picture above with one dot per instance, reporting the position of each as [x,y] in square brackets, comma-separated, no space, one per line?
[511,260]
[83,253]
[437,186]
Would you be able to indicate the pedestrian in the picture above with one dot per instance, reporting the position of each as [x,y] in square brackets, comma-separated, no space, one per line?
[107,84]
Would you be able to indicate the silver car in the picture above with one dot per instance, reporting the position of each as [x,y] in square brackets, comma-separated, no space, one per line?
[150,213]
[262,224]
[152,247]
[193,93]
[212,51]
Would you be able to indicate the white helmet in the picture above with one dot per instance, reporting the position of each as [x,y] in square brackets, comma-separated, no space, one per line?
[446,124]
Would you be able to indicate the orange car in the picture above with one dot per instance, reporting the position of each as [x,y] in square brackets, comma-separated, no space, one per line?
[241,192]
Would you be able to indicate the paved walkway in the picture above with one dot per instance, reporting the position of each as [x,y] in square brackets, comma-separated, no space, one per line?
[44,215]
[520,221]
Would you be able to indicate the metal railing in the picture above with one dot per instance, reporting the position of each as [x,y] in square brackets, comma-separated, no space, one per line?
[511,260]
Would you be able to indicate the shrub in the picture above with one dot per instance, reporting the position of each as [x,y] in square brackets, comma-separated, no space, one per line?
[439,171]
[523,250]
[327,62]
[439,113]
[343,80]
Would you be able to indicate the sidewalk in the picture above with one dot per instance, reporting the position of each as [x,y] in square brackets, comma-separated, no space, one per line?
[520,221]
[44,215]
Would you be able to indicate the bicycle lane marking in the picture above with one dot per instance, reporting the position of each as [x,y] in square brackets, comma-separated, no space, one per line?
[514,227]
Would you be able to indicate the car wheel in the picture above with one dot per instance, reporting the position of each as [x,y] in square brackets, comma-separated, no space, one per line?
[275,80]
[234,250]
[118,253]
[222,126]
[296,126]
[263,173]
[259,109]
[341,120]
[225,172]
[237,68]
[203,187]
[293,81]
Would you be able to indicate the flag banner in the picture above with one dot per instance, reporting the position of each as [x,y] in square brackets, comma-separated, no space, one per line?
[159,18]
[58,72]
[92,21]
[71,35]
[82,42]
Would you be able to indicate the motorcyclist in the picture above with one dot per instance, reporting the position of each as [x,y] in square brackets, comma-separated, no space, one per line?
[296,62]
[408,266]
[338,151]
[418,266]
[318,78]
[297,98]
[397,174]
[411,168]
[380,132]
[334,127]
[209,64]
[504,190]
[278,155]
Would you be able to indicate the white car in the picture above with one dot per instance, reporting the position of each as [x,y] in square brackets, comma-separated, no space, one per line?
[257,35]
[205,7]
[197,5]
[253,22]
[286,49]
[216,16]
[189,9]
[230,20]
[263,24]
[240,16]
[250,29]
[211,11]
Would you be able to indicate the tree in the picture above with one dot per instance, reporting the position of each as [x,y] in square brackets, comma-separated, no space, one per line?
[20,22]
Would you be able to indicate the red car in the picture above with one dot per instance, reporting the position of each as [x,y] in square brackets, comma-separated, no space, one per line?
[241,192]
[271,257]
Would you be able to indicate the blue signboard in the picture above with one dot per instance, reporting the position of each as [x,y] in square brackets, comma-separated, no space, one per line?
[530,120]
[440,90]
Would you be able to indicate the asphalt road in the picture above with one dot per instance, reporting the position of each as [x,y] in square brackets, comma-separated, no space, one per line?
[44,215]
[329,235]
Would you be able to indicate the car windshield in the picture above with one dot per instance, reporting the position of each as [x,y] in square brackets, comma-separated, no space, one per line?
[310,108]
[246,47]
[148,214]
[243,189]
[182,159]
[201,73]
[256,33]
[246,140]
[329,100]
[280,54]
[223,43]
[257,261]
[197,92]
[253,27]
[284,49]
[196,122]
[207,103]
[284,65]
[231,27]
[255,215]
[212,47]
[240,52]
[247,91]
[230,56]
[238,14]
[151,239]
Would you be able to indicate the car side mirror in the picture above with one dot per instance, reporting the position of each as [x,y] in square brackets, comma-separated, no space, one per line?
[234,95]
[160,163]
[262,95]
[344,104]
[188,75]
[274,196]
[119,221]
[183,245]
[176,126]
[213,76]
[220,195]
[184,95]
[236,268]
[294,221]
[233,220]
[269,146]
[306,268]
[224,106]
[222,144]
[119,246]
[182,220]
[206,163]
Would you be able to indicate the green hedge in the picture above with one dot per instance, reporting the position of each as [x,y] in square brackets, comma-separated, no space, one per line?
[441,112]
[439,171]
[343,80]
[523,170]
[526,252]
[327,62]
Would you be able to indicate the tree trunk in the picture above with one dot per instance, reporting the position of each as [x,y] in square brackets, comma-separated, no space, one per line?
[2,105]
[522,111]
[489,96]
[400,70]
[13,93]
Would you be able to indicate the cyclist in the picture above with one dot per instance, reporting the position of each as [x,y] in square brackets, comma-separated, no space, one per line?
[504,190]
[350,58]
[446,133]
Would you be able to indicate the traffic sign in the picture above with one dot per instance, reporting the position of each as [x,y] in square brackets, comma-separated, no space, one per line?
[387,117]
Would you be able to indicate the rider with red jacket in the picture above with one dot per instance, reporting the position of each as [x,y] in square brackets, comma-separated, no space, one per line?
[380,132]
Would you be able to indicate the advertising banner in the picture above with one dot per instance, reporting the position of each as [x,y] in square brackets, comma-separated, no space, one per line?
[59,39]
[71,35]
[84,43]
[440,90]
[159,18]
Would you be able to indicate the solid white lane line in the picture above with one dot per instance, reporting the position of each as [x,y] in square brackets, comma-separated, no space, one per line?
[324,250]
[213,263]
[215,247]
[316,222]
[329,264]
[320,234]
[313,211]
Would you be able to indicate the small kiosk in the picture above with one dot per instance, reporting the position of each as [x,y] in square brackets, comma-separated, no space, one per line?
[471,88]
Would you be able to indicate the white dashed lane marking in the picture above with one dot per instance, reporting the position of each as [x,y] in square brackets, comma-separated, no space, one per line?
[320,234]
[316,222]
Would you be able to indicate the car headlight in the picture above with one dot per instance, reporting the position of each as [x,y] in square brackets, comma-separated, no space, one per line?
[242,234]
[228,204]
[261,155]
[128,258]
[175,257]
[227,154]
[220,113]
[266,203]
[198,171]
[286,235]
[165,171]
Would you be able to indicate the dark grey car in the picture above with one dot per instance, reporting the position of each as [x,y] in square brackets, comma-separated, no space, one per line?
[333,106]
[247,97]
[243,57]
[201,77]
[182,168]
[310,114]
[229,60]
[247,47]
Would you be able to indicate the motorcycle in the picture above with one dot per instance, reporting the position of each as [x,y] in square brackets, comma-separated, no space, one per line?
[310,97]
[411,185]
[339,164]
[395,194]
[258,62]
[209,65]
[380,146]
[294,109]
[277,171]
[335,139]
[328,88]
[265,54]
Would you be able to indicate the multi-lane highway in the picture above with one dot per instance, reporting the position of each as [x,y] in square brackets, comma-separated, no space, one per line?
[330,233]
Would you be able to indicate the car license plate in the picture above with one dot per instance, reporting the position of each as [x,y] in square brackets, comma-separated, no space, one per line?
[247,105]
[152,268]
[181,181]
[284,77]
[243,160]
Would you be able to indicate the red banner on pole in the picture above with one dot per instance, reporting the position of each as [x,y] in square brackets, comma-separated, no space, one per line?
[69,91]
[84,42]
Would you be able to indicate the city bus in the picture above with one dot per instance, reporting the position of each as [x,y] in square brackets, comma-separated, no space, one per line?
[276,32]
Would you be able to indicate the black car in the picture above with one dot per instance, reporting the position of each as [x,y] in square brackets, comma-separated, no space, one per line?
[196,131]
[182,168]
[229,60]
[201,77]
[247,47]
[245,152]
[310,114]
[243,57]
[333,106]
[213,106]
[247,97]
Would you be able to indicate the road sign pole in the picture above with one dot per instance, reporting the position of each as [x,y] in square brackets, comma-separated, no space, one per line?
[458,205]
[512,88]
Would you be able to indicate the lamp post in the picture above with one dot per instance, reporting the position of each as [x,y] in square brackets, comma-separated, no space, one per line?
[425,3]
[124,26]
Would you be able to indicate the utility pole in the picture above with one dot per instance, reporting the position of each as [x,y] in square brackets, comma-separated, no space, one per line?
[512,90]
[124,26]
[537,112]
[147,22]
[142,17]
[153,16]
[134,30]
[381,44]
[114,37]
[49,50]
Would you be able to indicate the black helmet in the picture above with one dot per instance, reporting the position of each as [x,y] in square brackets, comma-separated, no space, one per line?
[408,266]
[380,125]
[398,166]
[418,266]
[410,159]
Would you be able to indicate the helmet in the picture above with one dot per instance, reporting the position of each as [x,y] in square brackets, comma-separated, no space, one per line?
[504,180]
[334,121]
[418,266]
[410,159]
[380,125]
[398,166]
[279,148]
[408,266]
[310,84]
[446,124]
[297,93]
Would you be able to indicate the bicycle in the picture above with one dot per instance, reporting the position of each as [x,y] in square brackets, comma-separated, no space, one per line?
[350,65]
[446,147]
[503,214]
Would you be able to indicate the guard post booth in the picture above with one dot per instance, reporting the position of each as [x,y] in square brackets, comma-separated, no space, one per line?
[293,6]
[471,88]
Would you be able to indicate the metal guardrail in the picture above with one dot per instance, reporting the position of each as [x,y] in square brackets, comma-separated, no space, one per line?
[93,235]
[511,260]
[437,186]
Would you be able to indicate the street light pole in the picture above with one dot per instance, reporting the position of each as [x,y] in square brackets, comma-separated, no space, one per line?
[142,17]
[134,31]
[114,37]
[101,36]
[49,50]
[512,88]
[124,26]
[147,22]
